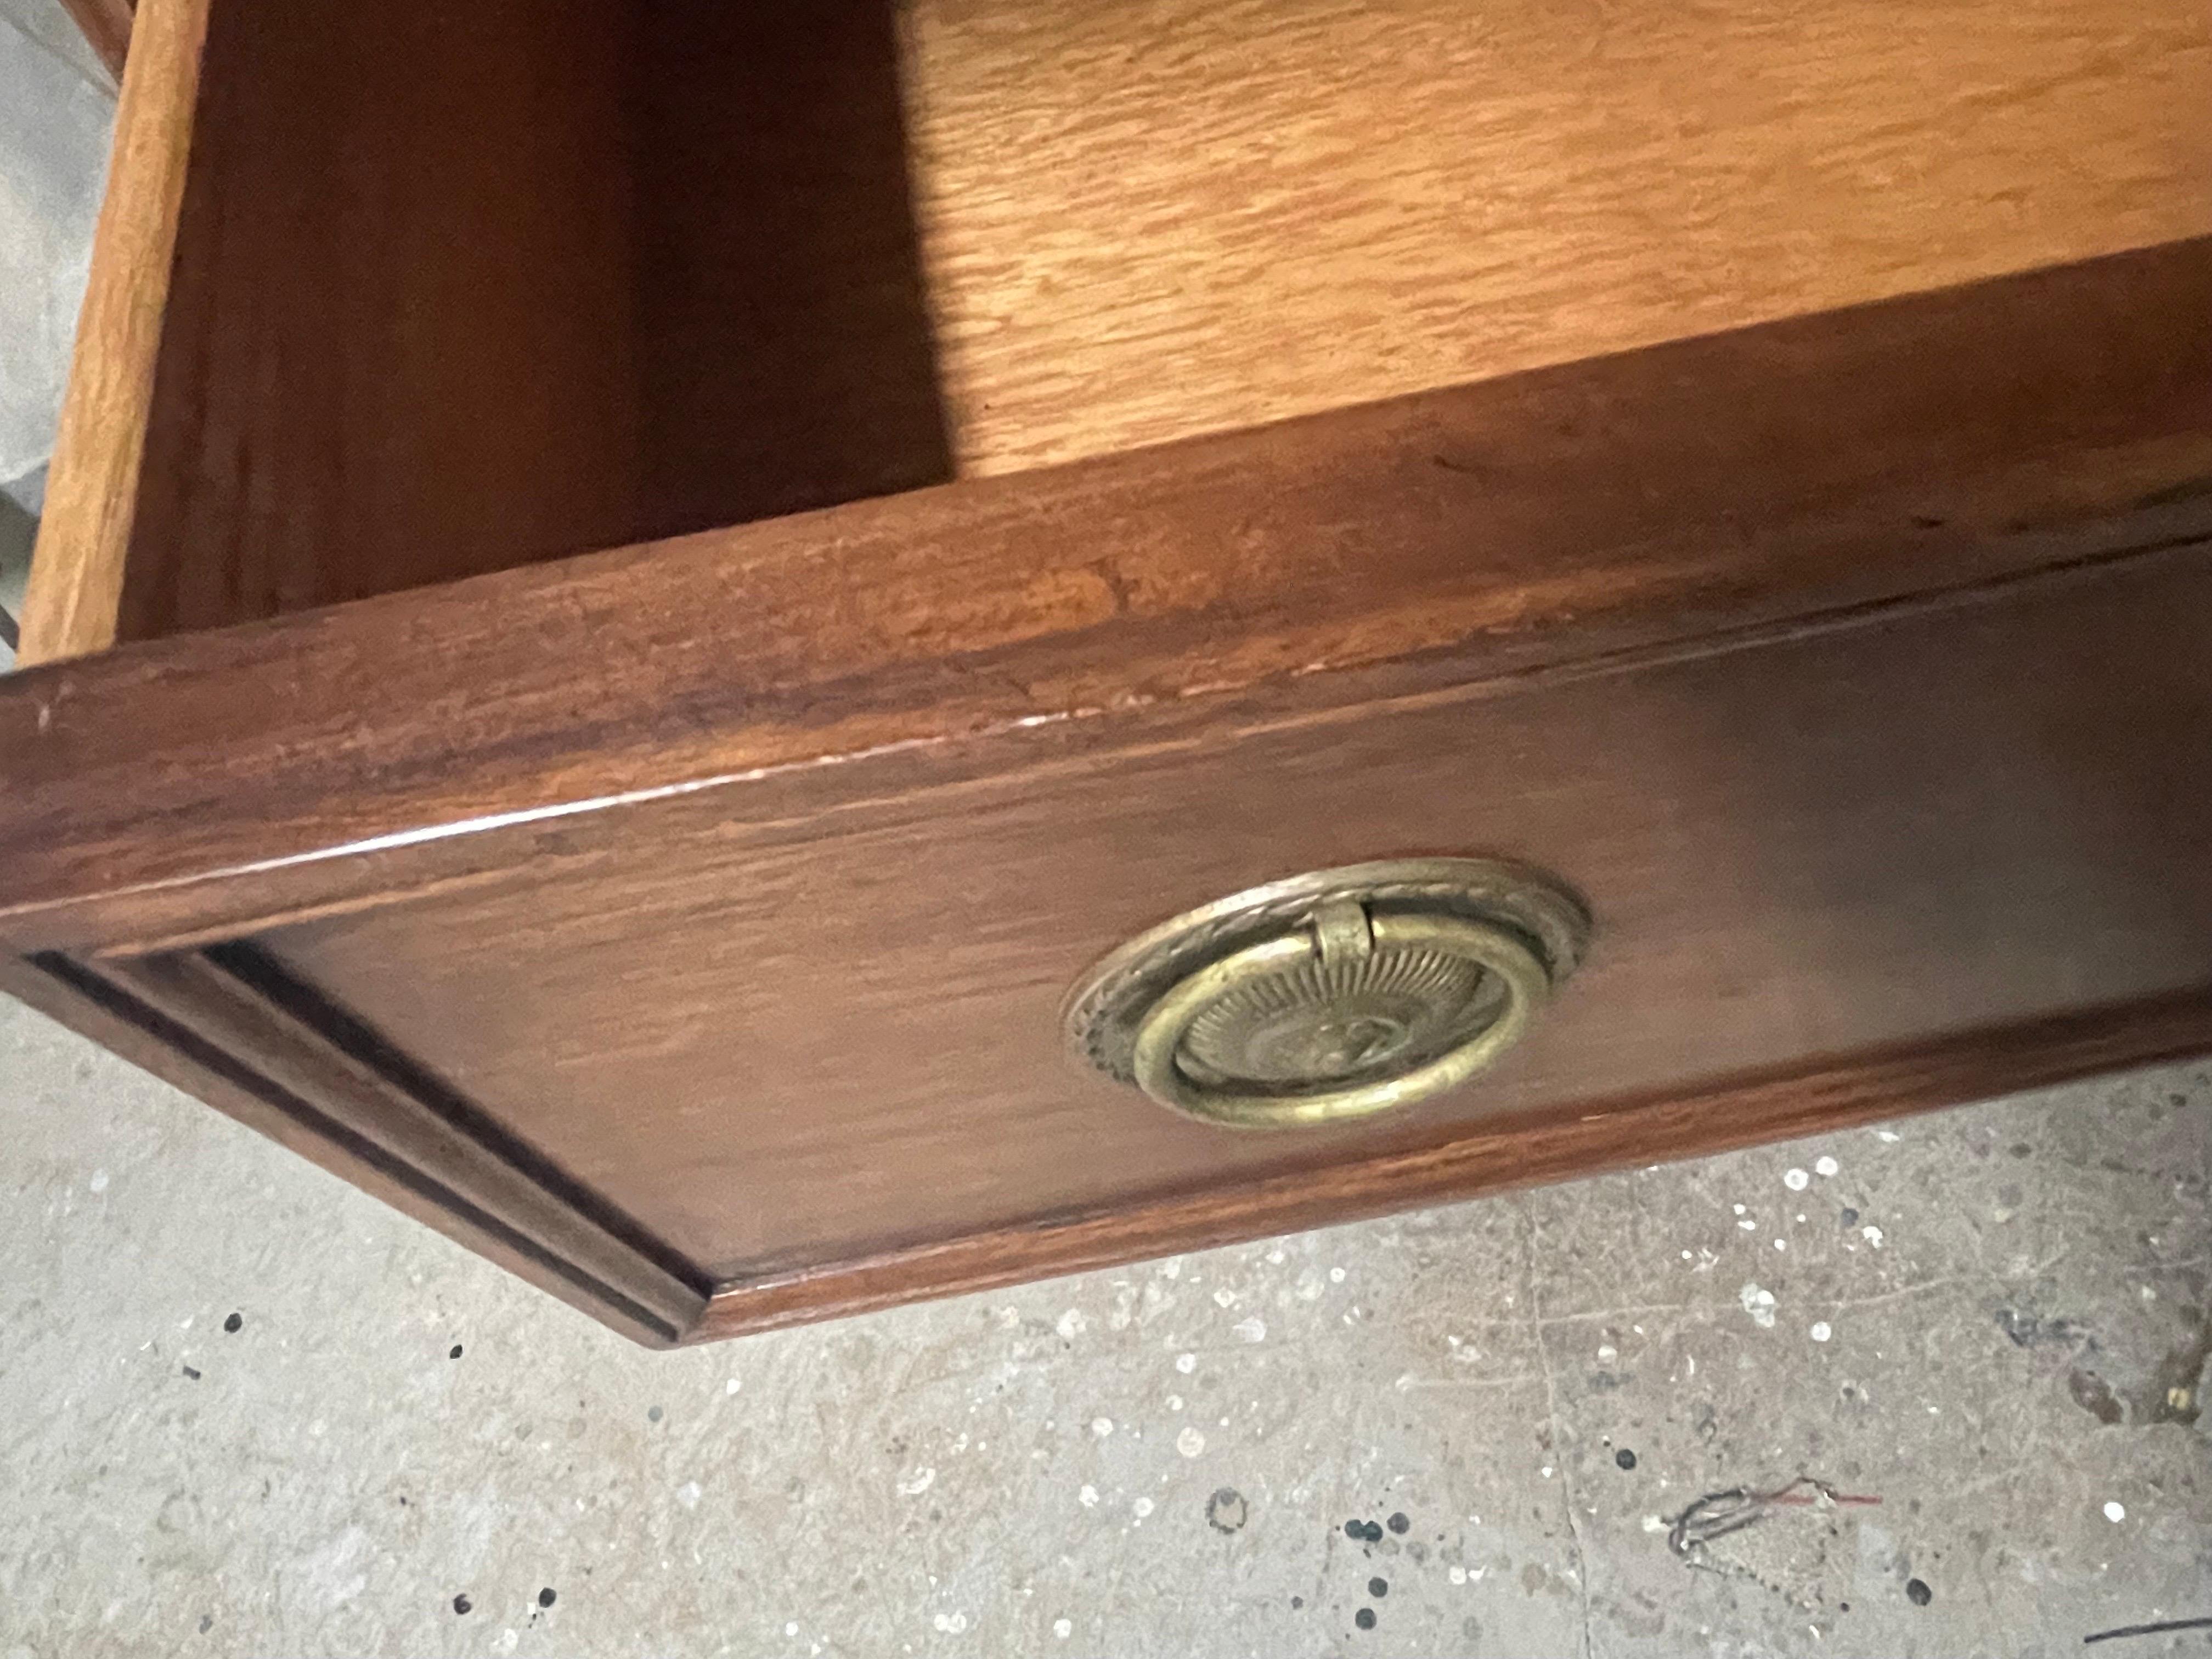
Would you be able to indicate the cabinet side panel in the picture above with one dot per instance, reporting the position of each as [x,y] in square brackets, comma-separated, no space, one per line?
[399,345]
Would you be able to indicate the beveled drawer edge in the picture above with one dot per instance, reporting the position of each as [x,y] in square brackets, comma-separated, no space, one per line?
[221,1031]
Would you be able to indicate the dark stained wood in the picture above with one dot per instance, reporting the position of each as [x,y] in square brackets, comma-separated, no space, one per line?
[92,492]
[1634,503]
[1150,221]
[778,1052]
[1624,1134]
[460,287]
[785,354]
[398,345]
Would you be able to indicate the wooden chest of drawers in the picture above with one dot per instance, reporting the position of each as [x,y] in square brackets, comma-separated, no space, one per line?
[635,589]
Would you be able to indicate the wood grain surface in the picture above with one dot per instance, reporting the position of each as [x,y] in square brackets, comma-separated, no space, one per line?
[455,288]
[776,1053]
[79,570]
[398,345]
[458,288]
[1640,503]
[1152,218]
[1817,1098]
[693,916]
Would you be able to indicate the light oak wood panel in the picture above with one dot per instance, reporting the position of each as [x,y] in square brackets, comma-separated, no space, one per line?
[82,563]
[1822,1096]
[398,345]
[1145,219]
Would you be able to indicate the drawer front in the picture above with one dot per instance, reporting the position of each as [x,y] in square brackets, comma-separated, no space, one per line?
[687,925]
[782,1055]
[811,1062]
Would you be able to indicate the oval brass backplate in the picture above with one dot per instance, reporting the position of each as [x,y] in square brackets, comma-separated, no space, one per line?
[1330,996]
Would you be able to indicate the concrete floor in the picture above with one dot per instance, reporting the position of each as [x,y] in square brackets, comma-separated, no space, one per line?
[1994,1321]
[56,107]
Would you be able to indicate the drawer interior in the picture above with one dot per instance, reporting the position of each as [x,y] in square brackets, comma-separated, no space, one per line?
[460,287]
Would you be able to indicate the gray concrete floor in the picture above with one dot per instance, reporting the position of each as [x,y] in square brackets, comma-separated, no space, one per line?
[56,107]
[1993,1319]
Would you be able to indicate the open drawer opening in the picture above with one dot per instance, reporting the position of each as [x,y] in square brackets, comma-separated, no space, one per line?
[450,288]
[458,287]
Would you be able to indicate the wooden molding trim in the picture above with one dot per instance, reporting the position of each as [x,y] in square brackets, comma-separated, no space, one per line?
[222,1025]
[1609,1135]
[1639,502]
[475,1197]
[77,570]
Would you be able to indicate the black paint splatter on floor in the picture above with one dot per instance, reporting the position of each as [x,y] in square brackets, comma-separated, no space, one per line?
[233,1322]
[1918,1593]
[1227,1510]
[462,1604]
[655,1415]
[546,1597]
[1364,1618]
[1624,1458]
[207,1622]
[1399,1524]
[456,1352]
[1378,1588]
[190,1372]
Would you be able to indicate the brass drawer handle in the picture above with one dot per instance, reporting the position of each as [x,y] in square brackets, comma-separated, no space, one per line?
[1331,996]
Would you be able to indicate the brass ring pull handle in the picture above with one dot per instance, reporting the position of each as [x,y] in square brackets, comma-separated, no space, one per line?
[1332,996]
